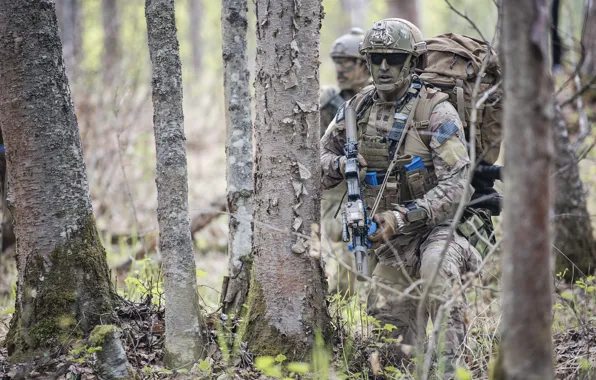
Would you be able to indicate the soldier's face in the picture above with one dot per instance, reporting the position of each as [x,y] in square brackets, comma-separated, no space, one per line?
[350,71]
[385,68]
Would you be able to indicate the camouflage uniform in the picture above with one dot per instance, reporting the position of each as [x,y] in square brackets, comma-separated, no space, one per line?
[331,99]
[436,136]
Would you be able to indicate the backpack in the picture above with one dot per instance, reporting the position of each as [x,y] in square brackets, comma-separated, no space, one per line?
[453,61]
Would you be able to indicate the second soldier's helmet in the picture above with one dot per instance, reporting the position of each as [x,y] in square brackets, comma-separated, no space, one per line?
[394,35]
[347,45]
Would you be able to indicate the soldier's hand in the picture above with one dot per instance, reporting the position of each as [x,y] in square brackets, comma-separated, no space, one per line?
[361,164]
[386,227]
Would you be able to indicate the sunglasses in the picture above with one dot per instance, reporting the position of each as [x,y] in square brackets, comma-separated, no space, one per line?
[391,59]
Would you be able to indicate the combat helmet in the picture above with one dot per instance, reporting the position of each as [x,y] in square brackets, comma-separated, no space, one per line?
[347,45]
[395,35]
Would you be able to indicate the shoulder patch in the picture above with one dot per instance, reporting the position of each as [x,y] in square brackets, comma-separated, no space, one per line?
[445,131]
[340,115]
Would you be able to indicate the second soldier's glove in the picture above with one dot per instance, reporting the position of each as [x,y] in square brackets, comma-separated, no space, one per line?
[361,164]
[389,223]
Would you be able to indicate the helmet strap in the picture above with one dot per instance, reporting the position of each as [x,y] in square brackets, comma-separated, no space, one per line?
[403,76]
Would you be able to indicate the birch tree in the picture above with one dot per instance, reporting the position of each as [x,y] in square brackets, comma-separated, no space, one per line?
[63,287]
[238,152]
[575,248]
[182,318]
[526,347]
[287,293]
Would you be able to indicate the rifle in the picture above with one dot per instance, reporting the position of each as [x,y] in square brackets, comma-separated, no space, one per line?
[354,219]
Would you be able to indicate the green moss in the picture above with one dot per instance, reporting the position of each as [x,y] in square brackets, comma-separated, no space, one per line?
[100,333]
[63,295]
[263,338]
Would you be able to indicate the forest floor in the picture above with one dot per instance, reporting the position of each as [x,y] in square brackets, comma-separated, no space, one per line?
[358,351]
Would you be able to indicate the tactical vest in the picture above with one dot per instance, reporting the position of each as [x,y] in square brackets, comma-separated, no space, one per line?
[376,119]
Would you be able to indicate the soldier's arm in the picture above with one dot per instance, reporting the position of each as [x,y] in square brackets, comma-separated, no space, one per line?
[332,145]
[451,162]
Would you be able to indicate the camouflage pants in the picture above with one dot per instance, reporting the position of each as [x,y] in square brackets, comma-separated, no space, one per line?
[418,257]
[340,279]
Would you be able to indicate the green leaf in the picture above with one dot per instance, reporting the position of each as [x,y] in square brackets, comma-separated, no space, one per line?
[391,369]
[204,365]
[280,358]
[274,371]
[389,327]
[462,373]
[299,367]
[264,362]
[584,364]
[201,273]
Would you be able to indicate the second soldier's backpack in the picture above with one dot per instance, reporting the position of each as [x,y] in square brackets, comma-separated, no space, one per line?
[453,62]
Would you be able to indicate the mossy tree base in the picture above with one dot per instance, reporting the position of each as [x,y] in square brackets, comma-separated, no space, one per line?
[62,296]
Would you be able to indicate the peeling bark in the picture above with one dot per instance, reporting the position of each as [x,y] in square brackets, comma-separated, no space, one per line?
[238,153]
[63,287]
[287,294]
[526,344]
[573,229]
[406,9]
[183,325]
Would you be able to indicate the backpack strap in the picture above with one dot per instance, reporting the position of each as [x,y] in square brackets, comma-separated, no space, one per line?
[429,99]
[461,102]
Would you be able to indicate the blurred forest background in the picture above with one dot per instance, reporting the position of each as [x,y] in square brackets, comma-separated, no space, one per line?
[106,52]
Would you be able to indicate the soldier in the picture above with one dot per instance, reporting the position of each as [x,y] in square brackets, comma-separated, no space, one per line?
[421,193]
[352,75]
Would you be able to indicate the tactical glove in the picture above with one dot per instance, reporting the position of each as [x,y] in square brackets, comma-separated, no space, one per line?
[361,163]
[389,223]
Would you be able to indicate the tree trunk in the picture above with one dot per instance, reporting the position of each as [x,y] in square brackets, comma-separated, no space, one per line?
[63,287]
[573,238]
[406,9]
[287,293]
[69,24]
[589,65]
[196,16]
[238,153]
[183,324]
[526,347]
[111,40]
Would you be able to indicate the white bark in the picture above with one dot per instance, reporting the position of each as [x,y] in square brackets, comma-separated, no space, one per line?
[239,153]
[183,327]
